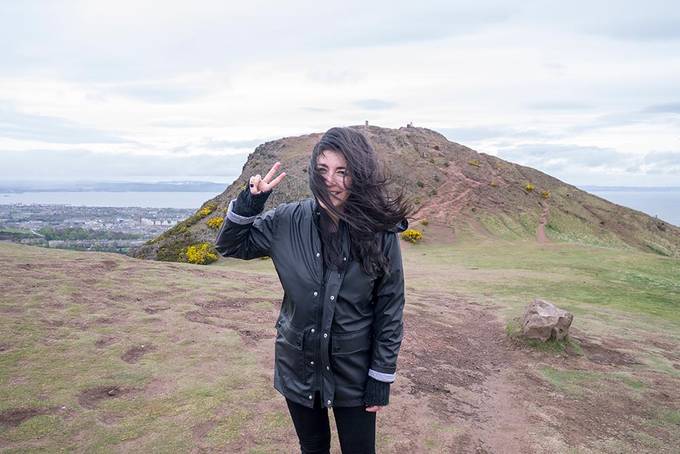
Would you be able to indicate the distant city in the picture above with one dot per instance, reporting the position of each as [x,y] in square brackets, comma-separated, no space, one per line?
[112,229]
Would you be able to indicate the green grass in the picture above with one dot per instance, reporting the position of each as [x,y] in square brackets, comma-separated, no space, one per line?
[573,382]
[627,282]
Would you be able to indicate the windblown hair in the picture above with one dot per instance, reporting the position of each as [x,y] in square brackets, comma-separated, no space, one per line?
[369,208]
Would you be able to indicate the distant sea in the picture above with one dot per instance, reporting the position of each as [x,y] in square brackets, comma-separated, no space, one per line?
[111,199]
[661,202]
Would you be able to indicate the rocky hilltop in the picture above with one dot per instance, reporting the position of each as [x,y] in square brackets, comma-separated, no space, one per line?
[455,189]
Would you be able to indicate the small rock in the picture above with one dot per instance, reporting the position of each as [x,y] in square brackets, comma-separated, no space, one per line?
[543,321]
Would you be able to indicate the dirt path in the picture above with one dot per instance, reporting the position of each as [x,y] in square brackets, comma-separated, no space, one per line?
[540,230]
[459,363]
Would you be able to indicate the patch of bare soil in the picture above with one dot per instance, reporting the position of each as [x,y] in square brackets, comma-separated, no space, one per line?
[15,416]
[199,431]
[540,230]
[132,355]
[235,314]
[106,265]
[152,309]
[91,397]
[462,367]
[457,358]
[601,354]
[105,341]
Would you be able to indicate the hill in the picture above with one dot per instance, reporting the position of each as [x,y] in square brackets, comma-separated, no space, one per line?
[459,191]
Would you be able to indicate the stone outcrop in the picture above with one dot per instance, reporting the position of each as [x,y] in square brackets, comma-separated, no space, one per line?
[543,321]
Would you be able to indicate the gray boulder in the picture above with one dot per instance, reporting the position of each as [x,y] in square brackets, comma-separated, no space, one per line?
[543,320]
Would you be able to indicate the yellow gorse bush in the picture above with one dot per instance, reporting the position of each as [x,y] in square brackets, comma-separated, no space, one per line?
[412,235]
[216,222]
[529,187]
[206,210]
[200,254]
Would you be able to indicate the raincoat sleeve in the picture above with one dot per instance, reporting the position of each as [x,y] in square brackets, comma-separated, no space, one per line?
[388,314]
[245,233]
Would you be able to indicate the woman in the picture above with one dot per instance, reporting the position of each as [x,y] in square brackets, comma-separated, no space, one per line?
[338,258]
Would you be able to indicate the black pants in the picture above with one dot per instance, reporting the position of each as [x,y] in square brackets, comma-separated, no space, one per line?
[356,428]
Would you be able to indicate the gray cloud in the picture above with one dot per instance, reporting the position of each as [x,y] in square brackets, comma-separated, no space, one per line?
[559,105]
[216,144]
[316,109]
[671,107]
[374,104]
[57,35]
[475,133]
[661,163]
[556,157]
[57,165]
[18,125]
[561,159]
[159,93]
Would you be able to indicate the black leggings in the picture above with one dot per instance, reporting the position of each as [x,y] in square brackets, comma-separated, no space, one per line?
[356,428]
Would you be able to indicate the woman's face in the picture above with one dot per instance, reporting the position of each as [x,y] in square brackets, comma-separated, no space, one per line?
[332,167]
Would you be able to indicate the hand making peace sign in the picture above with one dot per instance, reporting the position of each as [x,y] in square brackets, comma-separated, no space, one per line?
[259,185]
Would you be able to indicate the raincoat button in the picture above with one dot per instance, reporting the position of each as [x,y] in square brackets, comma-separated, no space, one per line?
[312,330]
[311,363]
[328,402]
[344,259]
[328,368]
[325,335]
[318,255]
[311,397]
[316,293]
[332,297]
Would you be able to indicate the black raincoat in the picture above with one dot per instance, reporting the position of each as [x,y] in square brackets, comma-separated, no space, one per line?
[330,335]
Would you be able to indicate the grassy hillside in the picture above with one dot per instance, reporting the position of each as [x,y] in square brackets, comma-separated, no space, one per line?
[101,352]
[450,185]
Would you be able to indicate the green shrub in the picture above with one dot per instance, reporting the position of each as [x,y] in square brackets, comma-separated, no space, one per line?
[412,235]
[200,254]
[474,162]
[529,187]
[424,222]
[420,184]
[545,194]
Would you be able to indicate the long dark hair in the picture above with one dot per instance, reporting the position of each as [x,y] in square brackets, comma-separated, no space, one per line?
[369,208]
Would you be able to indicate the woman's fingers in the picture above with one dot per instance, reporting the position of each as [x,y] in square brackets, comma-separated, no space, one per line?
[259,184]
[271,172]
[374,408]
[277,180]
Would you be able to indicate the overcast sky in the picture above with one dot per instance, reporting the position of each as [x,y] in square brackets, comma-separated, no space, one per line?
[587,91]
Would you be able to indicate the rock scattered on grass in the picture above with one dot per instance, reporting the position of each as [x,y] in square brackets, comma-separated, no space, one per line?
[544,321]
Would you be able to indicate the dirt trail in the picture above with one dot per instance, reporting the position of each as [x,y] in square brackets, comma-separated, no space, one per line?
[458,361]
[540,230]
